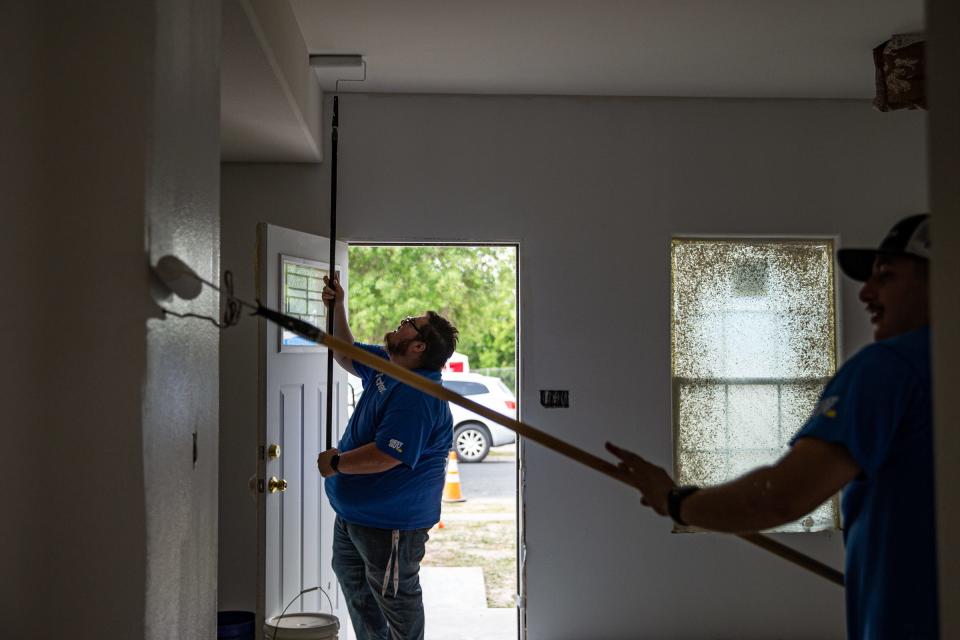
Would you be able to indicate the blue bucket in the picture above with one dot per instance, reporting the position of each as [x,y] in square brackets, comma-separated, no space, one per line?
[236,625]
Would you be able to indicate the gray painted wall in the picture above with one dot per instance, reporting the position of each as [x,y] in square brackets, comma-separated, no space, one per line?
[593,190]
[111,157]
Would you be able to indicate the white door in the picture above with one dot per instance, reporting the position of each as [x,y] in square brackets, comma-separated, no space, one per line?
[296,524]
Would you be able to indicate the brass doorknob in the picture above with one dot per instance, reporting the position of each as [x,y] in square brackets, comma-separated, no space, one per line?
[273,452]
[275,485]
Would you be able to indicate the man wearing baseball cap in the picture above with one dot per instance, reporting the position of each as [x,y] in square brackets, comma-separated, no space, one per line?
[871,435]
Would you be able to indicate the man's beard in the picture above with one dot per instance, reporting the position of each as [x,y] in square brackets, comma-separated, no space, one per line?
[397,348]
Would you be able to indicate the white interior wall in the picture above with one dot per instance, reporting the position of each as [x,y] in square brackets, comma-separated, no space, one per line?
[181,382]
[270,97]
[593,190]
[280,36]
[111,156]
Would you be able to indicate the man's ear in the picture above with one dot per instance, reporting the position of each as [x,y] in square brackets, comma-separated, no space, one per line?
[420,346]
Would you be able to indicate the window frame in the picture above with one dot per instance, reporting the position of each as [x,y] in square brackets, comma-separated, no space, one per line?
[832,242]
[300,345]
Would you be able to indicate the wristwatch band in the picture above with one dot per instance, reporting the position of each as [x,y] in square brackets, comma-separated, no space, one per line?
[335,461]
[675,499]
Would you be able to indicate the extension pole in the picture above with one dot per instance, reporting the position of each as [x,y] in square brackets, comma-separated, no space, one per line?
[332,270]
[551,442]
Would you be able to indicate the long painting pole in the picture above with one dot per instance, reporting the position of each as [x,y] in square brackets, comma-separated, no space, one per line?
[331,269]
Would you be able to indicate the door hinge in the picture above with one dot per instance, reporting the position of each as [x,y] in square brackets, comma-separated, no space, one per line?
[260,485]
[262,452]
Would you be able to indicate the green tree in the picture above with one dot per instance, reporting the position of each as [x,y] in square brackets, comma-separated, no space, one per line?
[473,287]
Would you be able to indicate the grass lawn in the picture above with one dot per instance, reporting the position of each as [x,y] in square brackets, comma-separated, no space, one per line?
[489,544]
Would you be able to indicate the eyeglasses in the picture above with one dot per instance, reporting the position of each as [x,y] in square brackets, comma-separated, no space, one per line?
[410,321]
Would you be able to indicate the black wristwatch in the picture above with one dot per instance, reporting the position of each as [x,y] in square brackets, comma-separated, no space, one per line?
[335,462]
[675,499]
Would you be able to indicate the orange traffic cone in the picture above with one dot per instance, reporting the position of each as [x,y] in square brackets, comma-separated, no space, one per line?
[451,488]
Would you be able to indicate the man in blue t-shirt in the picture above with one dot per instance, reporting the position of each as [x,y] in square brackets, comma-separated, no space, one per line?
[870,435]
[386,478]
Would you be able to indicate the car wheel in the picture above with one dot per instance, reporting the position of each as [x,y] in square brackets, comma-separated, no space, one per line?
[472,442]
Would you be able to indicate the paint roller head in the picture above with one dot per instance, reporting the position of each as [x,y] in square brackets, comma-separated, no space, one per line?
[177,278]
[339,61]
[333,68]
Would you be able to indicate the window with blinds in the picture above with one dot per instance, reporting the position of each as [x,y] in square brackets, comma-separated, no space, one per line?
[753,343]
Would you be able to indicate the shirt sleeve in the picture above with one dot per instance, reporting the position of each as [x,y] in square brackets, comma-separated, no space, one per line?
[364,372]
[863,406]
[406,423]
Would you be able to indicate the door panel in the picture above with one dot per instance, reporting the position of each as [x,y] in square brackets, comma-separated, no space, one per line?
[312,497]
[291,504]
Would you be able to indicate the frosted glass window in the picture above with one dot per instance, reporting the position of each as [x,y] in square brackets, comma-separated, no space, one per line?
[754,342]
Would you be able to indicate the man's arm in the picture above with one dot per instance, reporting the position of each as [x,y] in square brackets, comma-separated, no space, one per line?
[812,471]
[341,328]
[801,481]
[365,459]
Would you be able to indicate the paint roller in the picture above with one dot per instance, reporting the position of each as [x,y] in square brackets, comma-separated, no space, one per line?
[171,276]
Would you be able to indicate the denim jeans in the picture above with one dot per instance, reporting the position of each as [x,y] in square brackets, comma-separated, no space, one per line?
[361,556]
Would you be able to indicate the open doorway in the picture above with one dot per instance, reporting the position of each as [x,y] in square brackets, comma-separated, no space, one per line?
[471,572]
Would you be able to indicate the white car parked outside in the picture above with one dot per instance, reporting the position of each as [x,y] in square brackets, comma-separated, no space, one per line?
[473,435]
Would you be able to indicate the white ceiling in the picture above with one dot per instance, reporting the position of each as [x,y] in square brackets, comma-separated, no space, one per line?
[686,48]
[702,48]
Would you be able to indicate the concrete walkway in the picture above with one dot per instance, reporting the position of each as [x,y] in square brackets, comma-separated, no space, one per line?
[455,602]
[477,517]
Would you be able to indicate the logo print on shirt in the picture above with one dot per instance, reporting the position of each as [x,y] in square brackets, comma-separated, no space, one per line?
[826,407]
[396,444]
[381,387]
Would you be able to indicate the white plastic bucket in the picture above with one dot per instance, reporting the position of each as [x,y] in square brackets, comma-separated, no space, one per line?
[302,626]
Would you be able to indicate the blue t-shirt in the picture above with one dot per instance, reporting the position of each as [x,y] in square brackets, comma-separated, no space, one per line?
[879,407]
[408,425]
